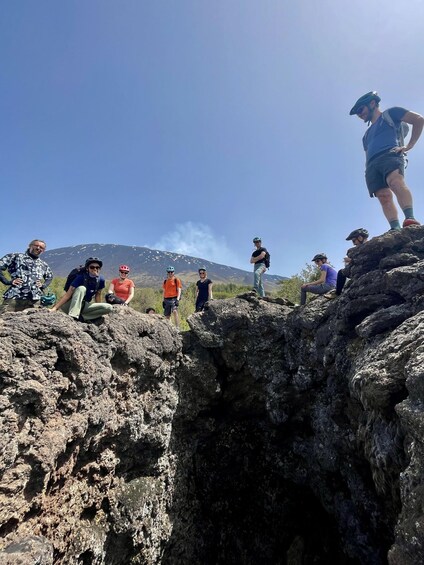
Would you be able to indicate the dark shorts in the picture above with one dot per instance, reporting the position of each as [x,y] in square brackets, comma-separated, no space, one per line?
[169,305]
[200,305]
[378,169]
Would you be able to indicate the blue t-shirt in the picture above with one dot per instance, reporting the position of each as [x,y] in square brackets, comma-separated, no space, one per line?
[381,136]
[91,284]
[330,274]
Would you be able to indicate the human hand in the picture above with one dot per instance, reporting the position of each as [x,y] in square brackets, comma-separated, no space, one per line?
[17,282]
[399,150]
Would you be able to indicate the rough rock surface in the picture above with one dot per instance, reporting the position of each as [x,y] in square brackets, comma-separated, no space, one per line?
[266,434]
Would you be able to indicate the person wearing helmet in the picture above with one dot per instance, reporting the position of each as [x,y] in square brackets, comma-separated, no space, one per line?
[385,151]
[121,290]
[76,302]
[357,237]
[203,290]
[258,259]
[172,289]
[28,274]
[326,281]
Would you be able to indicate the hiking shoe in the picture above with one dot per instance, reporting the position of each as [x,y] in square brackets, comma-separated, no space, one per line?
[410,222]
[330,295]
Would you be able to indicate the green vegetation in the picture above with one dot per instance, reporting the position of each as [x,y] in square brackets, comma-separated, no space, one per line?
[152,297]
[290,288]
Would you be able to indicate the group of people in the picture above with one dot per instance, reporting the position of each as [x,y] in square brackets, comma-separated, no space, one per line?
[30,276]
[385,159]
[385,150]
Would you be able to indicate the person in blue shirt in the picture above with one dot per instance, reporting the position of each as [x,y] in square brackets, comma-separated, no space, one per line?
[385,151]
[325,283]
[77,300]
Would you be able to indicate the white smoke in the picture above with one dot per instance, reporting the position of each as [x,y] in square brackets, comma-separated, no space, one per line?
[198,240]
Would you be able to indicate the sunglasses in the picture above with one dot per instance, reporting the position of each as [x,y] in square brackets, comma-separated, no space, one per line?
[360,110]
[124,272]
[94,267]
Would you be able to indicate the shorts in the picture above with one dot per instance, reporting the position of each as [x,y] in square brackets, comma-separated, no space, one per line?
[378,169]
[169,305]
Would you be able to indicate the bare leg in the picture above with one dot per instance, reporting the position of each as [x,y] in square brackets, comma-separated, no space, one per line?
[397,184]
[385,196]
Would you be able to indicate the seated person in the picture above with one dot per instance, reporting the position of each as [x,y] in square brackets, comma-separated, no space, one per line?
[121,290]
[77,300]
[326,281]
[358,237]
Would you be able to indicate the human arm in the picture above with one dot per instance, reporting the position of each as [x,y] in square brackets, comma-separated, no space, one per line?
[111,288]
[48,277]
[179,290]
[130,295]
[5,263]
[98,296]
[67,296]
[321,280]
[417,123]
[258,258]
[210,297]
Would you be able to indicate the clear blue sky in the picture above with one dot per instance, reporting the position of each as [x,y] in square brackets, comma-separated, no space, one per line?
[193,125]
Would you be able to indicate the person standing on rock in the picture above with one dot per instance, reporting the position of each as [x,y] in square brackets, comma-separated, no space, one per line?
[172,289]
[29,276]
[357,237]
[259,259]
[385,151]
[77,300]
[326,281]
[203,290]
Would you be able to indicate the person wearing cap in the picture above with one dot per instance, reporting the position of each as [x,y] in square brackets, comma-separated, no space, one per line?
[203,290]
[259,267]
[385,152]
[28,277]
[121,290]
[172,289]
[77,300]
[326,281]
[357,237]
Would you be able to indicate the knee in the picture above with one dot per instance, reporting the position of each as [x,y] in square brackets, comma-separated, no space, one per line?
[385,196]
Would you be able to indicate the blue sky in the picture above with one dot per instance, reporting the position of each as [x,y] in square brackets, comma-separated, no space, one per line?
[192,126]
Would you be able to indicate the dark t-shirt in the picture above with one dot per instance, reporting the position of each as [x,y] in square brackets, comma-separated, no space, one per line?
[203,290]
[91,285]
[381,136]
[257,252]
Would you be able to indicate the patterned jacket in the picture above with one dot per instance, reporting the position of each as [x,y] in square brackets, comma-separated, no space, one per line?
[30,270]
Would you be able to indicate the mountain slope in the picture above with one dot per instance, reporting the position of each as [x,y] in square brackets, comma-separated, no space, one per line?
[148,266]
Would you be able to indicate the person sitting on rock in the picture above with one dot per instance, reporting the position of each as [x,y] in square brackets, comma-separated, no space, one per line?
[121,290]
[77,300]
[326,281]
[357,237]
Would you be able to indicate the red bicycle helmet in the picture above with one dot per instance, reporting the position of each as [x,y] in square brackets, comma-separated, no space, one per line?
[124,268]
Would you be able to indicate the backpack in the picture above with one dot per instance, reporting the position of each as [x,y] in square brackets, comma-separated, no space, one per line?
[402,129]
[267,260]
[73,275]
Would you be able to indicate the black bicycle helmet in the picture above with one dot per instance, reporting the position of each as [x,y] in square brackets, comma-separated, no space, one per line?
[357,233]
[93,260]
[319,256]
[364,101]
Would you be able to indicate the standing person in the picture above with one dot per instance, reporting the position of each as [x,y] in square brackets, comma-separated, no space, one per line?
[121,290]
[77,300]
[172,289]
[326,281]
[385,151]
[29,276]
[258,259]
[357,237]
[203,290]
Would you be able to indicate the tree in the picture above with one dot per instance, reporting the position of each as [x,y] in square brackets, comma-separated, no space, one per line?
[290,288]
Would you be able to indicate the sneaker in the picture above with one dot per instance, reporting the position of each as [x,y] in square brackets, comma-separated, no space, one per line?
[330,295]
[410,222]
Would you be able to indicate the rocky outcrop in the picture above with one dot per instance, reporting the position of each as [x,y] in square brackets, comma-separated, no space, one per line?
[266,434]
